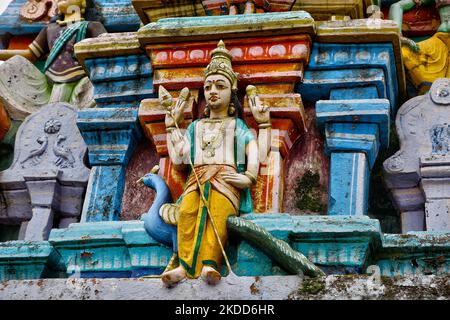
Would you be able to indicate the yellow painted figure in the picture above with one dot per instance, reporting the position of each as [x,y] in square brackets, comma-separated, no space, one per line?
[223,157]
[428,60]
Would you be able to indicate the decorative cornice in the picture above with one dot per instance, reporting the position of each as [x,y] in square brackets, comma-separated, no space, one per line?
[108,45]
[226,27]
[362,31]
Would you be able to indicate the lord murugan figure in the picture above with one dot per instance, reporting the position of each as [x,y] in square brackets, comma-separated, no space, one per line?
[427,60]
[65,78]
[223,156]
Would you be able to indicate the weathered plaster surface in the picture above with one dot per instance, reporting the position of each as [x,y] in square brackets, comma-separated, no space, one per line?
[248,288]
[138,198]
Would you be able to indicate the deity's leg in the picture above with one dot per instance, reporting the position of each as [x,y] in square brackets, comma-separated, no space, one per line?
[197,242]
[191,223]
[210,252]
[62,92]
[83,94]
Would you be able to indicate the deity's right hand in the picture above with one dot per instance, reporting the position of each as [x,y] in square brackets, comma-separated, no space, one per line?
[174,114]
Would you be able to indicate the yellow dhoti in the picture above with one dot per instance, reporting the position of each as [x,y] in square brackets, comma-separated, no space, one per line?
[197,242]
[430,63]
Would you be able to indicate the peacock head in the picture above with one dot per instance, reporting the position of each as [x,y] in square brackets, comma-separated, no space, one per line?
[150,178]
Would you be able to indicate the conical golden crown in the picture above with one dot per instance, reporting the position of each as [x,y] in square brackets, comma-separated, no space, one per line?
[221,64]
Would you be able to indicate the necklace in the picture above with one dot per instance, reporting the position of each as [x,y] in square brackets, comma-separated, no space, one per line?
[212,139]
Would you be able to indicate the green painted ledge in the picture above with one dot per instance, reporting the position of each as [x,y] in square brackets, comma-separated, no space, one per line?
[337,244]
[29,260]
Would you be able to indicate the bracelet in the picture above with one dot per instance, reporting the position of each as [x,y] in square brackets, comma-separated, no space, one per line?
[252,177]
[170,129]
[265,125]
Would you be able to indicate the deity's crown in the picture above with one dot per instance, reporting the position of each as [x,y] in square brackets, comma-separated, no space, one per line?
[221,64]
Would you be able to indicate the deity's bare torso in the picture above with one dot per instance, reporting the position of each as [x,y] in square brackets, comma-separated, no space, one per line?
[215,141]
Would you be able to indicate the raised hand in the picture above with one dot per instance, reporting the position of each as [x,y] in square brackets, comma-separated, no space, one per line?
[174,114]
[260,112]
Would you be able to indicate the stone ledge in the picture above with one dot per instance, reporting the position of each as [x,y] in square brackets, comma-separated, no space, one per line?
[355,287]
[236,288]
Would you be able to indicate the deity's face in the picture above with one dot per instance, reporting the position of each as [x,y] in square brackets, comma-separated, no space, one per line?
[67,6]
[217,92]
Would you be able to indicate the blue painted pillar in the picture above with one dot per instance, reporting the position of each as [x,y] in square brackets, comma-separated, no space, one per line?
[111,135]
[356,87]
[354,131]
[353,149]
[112,130]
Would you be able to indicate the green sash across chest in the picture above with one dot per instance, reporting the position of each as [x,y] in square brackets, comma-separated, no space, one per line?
[79,28]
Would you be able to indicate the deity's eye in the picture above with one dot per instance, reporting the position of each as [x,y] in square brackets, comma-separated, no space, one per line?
[207,88]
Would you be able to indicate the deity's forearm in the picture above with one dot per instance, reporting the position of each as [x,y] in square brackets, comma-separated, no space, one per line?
[252,160]
[26,53]
[264,142]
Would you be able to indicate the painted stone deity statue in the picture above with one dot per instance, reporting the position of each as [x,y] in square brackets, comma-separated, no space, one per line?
[427,60]
[24,89]
[223,157]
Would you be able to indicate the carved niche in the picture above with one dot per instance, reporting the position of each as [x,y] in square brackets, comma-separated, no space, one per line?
[418,175]
[48,177]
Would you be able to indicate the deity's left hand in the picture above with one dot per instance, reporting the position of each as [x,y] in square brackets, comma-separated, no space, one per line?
[260,112]
[238,180]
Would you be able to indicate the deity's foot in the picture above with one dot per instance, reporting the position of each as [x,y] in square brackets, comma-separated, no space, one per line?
[210,275]
[174,276]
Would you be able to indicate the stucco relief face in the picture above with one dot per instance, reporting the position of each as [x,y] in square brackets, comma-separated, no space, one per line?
[217,92]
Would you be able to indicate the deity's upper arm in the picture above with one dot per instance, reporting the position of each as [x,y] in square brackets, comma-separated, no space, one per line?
[95,29]
[39,46]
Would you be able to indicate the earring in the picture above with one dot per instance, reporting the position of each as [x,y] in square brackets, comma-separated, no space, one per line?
[206,112]
[231,109]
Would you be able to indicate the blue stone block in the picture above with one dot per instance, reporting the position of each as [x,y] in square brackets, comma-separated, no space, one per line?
[111,135]
[349,184]
[119,68]
[337,244]
[110,249]
[415,253]
[368,92]
[124,90]
[21,260]
[347,137]
[350,65]
[373,111]
[103,200]
[319,84]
